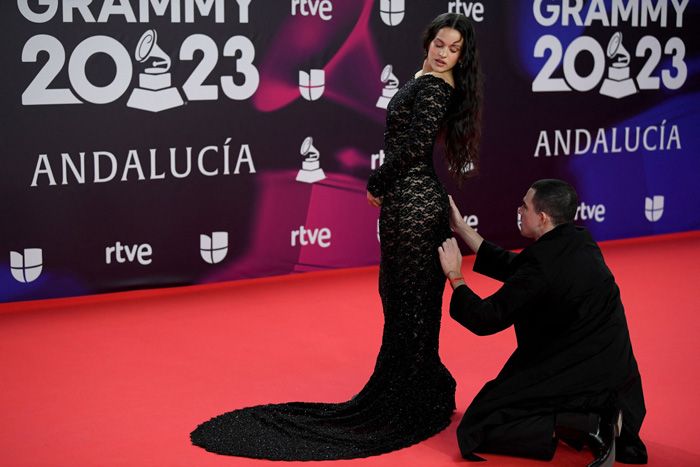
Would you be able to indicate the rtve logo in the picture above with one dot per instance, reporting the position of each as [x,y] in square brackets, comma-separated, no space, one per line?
[129,253]
[26,266]
[654,208]
[306,236]
[321,8]
[377,159]
[472,221]
[587,212]
[392,11]
[213,249]
[473,10]
[312,84]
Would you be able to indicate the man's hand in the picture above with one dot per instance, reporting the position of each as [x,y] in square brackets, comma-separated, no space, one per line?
[462,229]
[450,258]
[374,201]
[456,220]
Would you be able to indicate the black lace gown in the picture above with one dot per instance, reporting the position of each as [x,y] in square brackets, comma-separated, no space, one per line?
[410,395]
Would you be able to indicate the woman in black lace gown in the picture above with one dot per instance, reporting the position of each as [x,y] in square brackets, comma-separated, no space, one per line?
[410,395]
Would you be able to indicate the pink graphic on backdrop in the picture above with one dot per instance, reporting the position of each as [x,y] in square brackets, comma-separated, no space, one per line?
[352,159]
[337,203]
[350,72]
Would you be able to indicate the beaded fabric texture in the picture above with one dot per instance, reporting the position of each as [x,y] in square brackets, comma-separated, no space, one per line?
[410,395]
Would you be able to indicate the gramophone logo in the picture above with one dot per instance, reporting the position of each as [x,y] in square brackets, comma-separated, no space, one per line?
[392,11]
[26,267]
[155,92]
[391,86]
[213,249]
[654,208]
[618,84]
[311,170]
[312,84]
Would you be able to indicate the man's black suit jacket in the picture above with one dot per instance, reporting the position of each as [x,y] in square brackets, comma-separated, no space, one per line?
[574,352]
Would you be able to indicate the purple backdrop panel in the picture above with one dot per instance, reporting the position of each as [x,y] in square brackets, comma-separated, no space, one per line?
[161,146]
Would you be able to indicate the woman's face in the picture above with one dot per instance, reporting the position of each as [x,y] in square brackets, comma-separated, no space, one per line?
[445,50]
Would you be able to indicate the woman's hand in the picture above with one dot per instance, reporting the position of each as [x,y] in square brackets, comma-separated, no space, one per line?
[374,201]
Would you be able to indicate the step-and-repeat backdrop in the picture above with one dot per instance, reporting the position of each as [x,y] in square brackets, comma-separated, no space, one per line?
[150,143]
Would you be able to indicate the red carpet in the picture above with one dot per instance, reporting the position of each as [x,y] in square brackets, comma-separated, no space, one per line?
[121,379]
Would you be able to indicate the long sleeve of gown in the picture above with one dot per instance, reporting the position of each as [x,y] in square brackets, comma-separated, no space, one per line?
[404,151]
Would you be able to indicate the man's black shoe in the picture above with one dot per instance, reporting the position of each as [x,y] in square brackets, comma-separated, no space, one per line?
[602,443]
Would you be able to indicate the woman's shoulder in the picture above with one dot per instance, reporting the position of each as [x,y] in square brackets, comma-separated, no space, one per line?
[433,78]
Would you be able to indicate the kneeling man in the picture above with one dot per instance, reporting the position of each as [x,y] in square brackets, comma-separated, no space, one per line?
[573,375]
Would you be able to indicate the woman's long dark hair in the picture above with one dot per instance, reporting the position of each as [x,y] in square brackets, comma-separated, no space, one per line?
[462,123]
